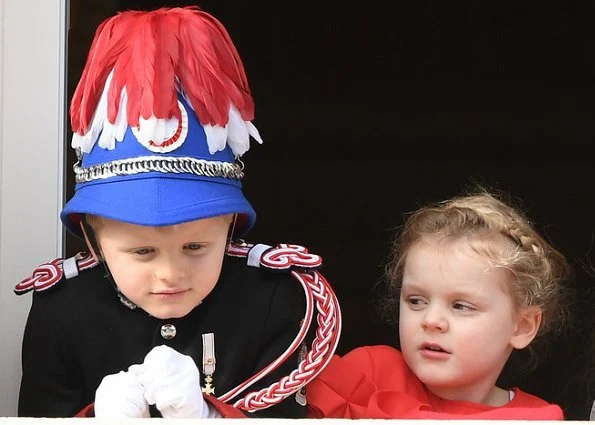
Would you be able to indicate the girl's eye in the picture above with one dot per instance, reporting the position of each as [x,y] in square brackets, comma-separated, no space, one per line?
[193,246]
[462,306]
[143,251]
[415,301]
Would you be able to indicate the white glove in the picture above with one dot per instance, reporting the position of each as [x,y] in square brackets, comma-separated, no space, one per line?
[172,383]
[121,396]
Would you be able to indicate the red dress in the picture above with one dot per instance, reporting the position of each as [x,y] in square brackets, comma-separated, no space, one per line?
[375,382]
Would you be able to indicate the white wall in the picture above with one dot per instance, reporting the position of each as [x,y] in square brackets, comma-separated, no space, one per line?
[31,157]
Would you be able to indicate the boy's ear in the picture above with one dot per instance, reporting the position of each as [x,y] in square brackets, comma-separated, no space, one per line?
[527,325]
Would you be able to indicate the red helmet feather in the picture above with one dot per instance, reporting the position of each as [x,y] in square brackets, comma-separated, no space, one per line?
[155,54]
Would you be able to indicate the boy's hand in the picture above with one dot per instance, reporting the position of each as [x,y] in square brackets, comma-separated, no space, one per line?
[172,382]
[120,396]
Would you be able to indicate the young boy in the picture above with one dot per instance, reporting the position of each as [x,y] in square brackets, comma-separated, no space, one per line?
[166,316]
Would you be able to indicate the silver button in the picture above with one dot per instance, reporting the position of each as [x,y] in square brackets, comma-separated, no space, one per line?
[168,331]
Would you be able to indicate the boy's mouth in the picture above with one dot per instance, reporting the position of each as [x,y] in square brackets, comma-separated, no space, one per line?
[169,292]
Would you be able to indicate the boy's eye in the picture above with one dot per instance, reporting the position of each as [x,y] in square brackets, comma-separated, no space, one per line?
[193,246]
[143,251]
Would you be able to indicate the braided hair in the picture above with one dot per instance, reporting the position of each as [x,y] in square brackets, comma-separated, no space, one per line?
[501,234]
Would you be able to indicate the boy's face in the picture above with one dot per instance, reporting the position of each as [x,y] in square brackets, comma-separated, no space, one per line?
[166,271]
[457,321]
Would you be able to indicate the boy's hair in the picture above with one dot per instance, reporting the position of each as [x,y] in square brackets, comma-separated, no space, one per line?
[92,224]
[96,222]
[502,234]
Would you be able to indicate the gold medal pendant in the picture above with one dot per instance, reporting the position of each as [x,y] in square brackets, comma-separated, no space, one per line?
[208,362]
[208,389]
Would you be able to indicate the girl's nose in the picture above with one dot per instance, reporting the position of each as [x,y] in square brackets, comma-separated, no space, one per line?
[435,319]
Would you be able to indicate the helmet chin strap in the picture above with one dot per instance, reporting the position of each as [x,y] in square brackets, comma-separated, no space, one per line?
[91,239]
[232,229]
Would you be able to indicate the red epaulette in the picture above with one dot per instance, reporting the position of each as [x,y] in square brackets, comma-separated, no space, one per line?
[50,274]
[322,309]
[280,257]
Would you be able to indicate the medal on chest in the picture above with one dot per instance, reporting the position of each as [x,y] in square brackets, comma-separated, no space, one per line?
[208,362]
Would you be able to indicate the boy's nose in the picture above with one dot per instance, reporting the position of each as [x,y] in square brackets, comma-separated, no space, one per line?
[435,319]
[170,270]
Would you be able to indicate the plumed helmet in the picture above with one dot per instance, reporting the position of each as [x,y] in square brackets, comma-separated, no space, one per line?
[160,118]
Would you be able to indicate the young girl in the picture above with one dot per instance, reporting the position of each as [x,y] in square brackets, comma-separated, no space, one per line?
[474,282]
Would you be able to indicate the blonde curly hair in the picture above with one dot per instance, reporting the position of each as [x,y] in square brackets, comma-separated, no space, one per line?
[500,233]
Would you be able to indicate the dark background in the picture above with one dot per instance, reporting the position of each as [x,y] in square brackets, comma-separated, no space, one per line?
[368,112]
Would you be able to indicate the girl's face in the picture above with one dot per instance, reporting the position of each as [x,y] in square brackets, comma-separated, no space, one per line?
[166,271]
[457,321]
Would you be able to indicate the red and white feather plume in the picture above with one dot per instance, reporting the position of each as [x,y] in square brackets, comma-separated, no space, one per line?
[137,65]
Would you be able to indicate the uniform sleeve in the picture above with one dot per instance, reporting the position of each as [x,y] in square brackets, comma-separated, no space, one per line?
[286,312]
[50,386]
